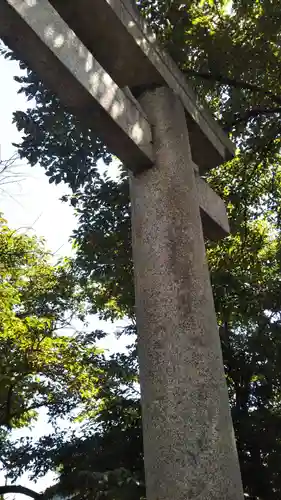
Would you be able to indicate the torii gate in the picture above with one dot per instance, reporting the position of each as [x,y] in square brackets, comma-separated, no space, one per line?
[122,85]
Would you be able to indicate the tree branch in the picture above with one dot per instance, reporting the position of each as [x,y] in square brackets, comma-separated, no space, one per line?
[232,82]
[21,490]
[23,410]
[252,113]
[9,404]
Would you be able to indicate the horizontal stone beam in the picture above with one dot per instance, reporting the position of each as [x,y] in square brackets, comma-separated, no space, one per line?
[121,41]
[36,31]
[213,212]
[42,38]
[212,209]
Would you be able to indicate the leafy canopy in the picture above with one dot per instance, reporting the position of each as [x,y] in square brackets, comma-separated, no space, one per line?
[43,364]
[231,52]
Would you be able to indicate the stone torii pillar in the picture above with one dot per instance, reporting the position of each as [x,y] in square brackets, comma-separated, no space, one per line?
[188,438]
[166,139]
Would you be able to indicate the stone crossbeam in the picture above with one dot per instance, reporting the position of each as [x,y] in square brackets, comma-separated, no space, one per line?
[212,210]
[36,31]
[130,53]
[63,62]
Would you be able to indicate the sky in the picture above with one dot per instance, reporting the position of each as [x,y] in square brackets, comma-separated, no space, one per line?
[30,201]
[31,204]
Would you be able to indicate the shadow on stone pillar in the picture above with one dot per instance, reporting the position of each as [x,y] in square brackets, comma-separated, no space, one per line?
[189,444]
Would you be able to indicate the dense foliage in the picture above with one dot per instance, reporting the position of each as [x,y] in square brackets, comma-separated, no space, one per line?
[231,51]
[41,364]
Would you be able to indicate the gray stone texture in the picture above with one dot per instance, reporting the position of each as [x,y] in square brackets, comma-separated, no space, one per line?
[189,445]
[36,31]
[132,56]
[45,41]
[212,209]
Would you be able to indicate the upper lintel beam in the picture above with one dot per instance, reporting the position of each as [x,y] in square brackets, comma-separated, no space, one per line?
[49,46]
[121,41]
[36,31]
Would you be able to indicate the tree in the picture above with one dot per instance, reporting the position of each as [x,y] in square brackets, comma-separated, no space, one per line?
[42,364]
[230,51]
[7,171]
[106,459]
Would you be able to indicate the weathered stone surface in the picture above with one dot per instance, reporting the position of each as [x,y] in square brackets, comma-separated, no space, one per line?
[63,62]
[130,53]
[189,444]
[36,31]
[213,212]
